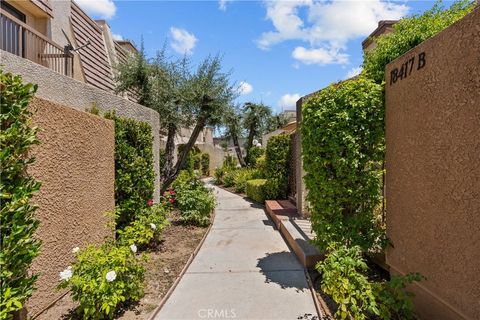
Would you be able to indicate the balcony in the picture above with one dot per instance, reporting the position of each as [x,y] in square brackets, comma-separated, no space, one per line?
[22,40]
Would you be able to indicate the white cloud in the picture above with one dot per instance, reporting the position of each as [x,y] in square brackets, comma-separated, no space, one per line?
[222,4]
[183,41]
[288,101]
[104,9]
[245,88]
[353,72]
[319,56]
[117,37]
[326,25]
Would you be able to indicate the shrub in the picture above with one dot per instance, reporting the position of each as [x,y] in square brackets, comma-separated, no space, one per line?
[192,162]
[229,162]
[185,181]
[18,246]
[146,228]
[261,167]
[193,199]
[277,166]
[408,33]
[229,178]
[134,173]
[241,177]
[218,175]
[394,301]
[102,278]
[253,154]
[196,205]
[343,146]
[255,190]
[205,162]
[343,279]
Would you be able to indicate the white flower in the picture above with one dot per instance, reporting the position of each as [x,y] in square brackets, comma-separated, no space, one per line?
[255,142]
[133,248]
[75,250]
[153,226]
[66,274]
[259,144]
[111,275]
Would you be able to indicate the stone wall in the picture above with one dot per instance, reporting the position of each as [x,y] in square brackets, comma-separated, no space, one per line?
[433,170]
[75,94]
[75,163]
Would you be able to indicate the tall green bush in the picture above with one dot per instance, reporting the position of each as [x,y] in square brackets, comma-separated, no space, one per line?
[134,173]
[253,154]
[410,32]
[18,247]
[277,158]
[343,146]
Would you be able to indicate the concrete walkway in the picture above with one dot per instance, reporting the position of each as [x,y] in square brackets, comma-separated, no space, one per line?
[244,270]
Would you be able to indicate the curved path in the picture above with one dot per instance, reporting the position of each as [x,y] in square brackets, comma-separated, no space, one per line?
[244,270]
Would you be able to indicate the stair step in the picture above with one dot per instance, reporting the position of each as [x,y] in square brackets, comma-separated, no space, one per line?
[297,232]
[299,241]
[280,210]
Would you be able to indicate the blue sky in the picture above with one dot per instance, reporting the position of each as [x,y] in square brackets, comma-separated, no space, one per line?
[277,50]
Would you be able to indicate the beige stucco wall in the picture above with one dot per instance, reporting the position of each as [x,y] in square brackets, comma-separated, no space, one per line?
[433,172]
[78,95]
[217,155]
[75,163]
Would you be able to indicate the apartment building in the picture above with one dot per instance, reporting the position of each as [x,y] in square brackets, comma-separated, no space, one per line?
[59,35]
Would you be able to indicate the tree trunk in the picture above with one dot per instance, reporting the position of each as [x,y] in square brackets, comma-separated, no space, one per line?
[251,135]
[169,152]
[238,151]
[183,157]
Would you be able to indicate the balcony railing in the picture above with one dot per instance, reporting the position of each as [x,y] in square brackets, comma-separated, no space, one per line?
[22,40]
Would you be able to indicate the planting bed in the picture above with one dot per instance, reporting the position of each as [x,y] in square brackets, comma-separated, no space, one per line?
[165,262]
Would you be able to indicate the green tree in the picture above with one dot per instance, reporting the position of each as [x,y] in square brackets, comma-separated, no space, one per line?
[233,129]
[163,85]
[211,94]
[256,120]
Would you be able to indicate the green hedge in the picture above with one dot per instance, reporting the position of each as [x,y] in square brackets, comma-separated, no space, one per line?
[256,190]
[253,154]
[277,158]
[18,246]
[343,146]
[134,173]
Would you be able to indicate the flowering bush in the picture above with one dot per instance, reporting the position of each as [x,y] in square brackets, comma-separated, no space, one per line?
[18,247]
[102,278]
[146,228]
